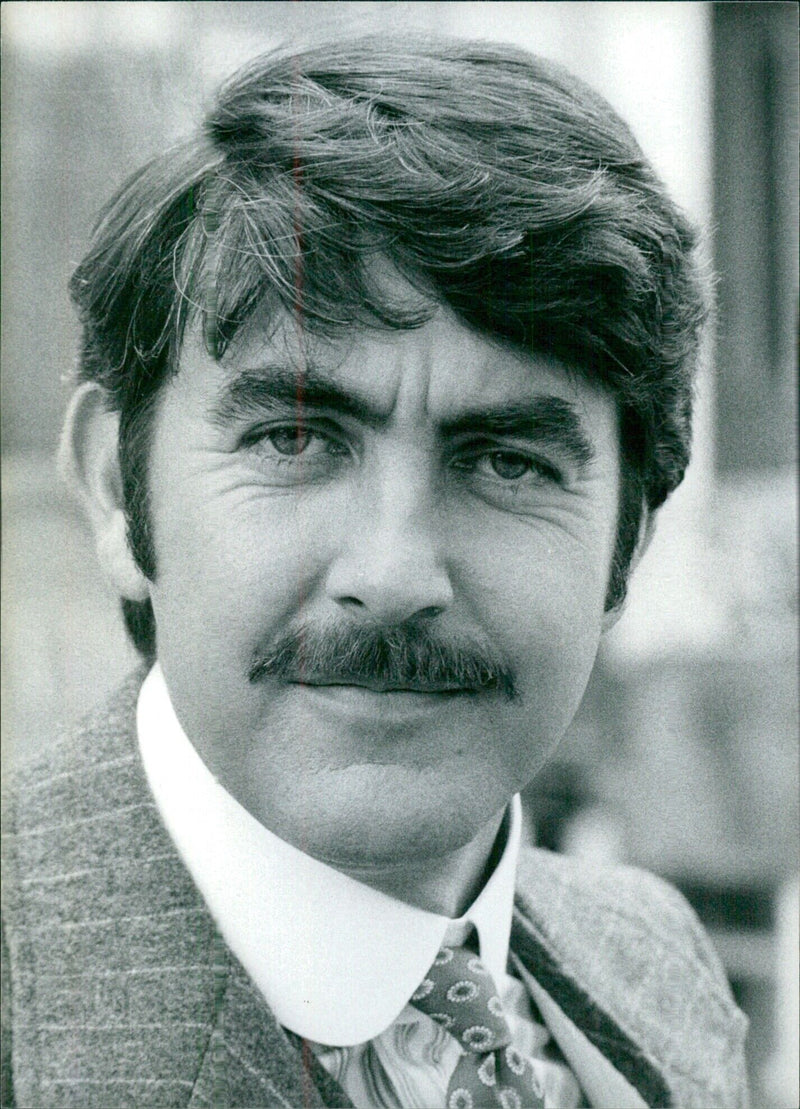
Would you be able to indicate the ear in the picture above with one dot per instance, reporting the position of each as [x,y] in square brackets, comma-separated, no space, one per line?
[89,462]
[646,531]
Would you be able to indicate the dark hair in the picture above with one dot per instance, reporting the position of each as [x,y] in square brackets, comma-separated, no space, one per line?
[492,179]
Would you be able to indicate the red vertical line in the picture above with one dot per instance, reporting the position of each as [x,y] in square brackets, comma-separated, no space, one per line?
[308,1081]
[297,180]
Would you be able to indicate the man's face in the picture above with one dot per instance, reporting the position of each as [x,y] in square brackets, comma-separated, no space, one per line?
[382,564]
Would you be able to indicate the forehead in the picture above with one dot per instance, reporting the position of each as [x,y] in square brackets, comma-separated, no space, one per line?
[436,371]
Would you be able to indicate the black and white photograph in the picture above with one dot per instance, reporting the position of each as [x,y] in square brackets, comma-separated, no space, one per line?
[400,554]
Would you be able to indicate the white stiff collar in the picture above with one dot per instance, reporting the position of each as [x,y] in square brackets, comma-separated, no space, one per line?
[336,960]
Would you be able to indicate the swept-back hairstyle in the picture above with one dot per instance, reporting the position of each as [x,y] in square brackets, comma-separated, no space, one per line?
[493,180]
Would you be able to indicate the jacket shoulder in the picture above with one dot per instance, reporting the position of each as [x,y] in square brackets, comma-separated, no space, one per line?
[81,813]
[103,925]
[621,899]
[630,942]
[89,767]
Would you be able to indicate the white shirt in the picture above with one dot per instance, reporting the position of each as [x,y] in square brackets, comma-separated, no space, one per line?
[278,907]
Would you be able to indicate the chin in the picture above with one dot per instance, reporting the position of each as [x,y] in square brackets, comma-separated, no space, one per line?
[371,827]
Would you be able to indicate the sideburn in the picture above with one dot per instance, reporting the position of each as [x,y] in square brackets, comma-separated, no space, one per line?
[629,520]
[135,438]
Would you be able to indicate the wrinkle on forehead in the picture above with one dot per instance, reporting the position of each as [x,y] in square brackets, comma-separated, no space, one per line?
[438,367]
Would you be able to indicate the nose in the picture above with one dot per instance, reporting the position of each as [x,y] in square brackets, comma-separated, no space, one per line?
[392,566]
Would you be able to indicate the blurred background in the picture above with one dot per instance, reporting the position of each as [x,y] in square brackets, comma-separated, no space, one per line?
[684,757]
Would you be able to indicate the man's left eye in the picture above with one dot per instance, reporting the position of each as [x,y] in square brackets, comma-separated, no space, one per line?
[508,464]
[511,465]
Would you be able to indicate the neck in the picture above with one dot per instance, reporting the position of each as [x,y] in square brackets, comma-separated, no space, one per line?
[445,885]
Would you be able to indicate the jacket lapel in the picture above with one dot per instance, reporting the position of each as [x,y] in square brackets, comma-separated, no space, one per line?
[588,1052]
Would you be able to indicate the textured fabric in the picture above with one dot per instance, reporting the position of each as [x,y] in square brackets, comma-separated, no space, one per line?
[123,993]
[623,955]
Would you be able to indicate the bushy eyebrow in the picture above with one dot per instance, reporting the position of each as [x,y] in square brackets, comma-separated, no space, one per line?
[543,418]
[254,392]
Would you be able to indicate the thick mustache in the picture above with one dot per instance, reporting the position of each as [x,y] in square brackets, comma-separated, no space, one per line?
[403,656]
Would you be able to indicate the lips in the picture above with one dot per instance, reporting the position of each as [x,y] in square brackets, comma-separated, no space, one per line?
[381,707]
[421,688]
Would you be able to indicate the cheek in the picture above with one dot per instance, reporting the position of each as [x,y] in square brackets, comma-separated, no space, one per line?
[235,564]
[544,605]
[227,582]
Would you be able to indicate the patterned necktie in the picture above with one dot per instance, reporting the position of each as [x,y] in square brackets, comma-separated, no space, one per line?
[459,993]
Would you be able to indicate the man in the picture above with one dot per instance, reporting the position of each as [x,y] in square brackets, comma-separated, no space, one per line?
[384,376]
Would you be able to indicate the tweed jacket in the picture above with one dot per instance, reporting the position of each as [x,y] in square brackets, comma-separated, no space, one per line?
[121,992]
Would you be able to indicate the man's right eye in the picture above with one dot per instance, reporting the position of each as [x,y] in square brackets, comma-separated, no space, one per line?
[294,452]
[290,440]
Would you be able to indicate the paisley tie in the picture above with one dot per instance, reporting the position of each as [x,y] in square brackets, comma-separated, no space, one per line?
[459,993]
